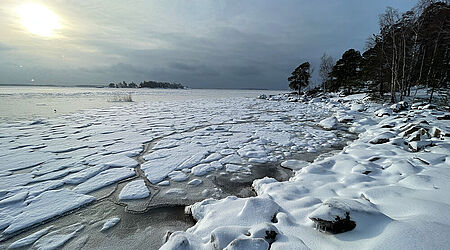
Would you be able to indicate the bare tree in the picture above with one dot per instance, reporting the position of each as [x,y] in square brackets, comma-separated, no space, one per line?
[326,66]
[387,22]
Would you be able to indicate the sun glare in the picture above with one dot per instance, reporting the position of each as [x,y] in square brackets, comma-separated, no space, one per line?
[38,19]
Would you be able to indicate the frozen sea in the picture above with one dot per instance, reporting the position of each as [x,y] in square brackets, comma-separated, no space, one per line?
[218,168]
[132,167]
[26,102]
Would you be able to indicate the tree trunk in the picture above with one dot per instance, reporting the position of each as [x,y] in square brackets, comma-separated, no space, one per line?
[421,65]
[403,90]
[431,95]
[414,61]
[393,68]
[432,59]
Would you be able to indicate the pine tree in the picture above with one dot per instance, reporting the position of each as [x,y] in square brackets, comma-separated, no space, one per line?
[347,71]
[300,77]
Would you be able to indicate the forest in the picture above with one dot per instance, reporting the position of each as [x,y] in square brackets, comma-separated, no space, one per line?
[410,52]
[147,84]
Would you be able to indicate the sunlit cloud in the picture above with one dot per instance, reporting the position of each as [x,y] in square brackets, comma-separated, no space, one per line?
[38,19]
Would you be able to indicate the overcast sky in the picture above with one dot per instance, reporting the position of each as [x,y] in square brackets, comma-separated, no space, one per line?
[200,43]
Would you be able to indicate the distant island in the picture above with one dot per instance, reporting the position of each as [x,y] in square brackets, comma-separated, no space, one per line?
[147,84]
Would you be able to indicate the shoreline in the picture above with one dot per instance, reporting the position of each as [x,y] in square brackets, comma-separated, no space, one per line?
[306,223]
[259,131]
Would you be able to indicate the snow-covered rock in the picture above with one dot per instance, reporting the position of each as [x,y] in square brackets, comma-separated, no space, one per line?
[382,138]
[383,112]
[358,107]
[334,215]
[400,106]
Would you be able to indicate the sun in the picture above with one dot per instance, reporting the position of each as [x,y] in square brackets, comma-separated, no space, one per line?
[38,19]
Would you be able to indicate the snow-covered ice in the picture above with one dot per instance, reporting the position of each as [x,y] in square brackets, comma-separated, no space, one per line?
[294,164]
[134,190]
[57,239]
[29,239]
[104,179]
[110,223]
[391,180]
[46,206]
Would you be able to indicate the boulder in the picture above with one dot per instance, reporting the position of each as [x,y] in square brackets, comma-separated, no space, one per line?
[292,99]
[437,132]
[416,146]
[382,112]
[358,107]
[444,117]
[400,106]
[346,118]
[265,231]
[382,138]
[262,97]
[418,135]
[333,216]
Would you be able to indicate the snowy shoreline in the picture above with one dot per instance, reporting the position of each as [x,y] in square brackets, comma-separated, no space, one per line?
[392,183]
[197,150]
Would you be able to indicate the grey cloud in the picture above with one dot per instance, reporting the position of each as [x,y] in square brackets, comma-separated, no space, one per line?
[182,66]
[245,70]
[214,44]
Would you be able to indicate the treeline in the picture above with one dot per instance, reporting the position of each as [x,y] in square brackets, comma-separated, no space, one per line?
[411,50]
[147,84]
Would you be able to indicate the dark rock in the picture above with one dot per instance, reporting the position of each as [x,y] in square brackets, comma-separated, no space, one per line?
[271,236]
[264,231]
[374,159]
[444,117]
[263,96]
[411,130]
[382,138]
[399,106]
[339,225]
[419,135]
[388,126]
[333,215]
[436,132]
[167,236]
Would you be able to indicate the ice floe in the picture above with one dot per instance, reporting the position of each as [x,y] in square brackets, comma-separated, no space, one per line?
[110,223]
[134,190]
